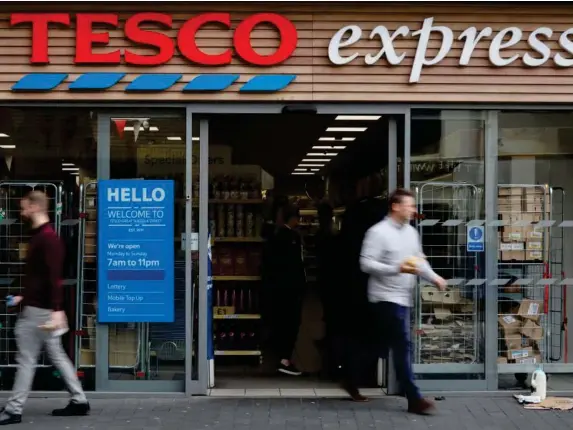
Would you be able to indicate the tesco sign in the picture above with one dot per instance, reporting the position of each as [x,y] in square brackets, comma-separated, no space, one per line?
[87,38]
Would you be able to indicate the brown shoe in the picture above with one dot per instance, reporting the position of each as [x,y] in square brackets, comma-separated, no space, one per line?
[421,407]
[355,394]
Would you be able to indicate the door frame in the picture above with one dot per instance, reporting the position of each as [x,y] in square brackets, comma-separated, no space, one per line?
[103,383]
[206,372]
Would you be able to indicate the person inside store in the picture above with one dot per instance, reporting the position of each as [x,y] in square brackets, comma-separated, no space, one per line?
[392,256]
[42,320]
[359,358]
[329,287]
[285,282]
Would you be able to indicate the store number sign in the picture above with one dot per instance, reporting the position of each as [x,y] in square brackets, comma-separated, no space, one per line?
[135,251]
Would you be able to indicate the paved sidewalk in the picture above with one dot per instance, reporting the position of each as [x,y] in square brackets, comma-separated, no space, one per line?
[456,413]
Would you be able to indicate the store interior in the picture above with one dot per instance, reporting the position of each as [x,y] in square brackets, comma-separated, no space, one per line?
[256,163]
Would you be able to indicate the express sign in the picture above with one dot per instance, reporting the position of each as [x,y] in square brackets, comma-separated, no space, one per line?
[87,38]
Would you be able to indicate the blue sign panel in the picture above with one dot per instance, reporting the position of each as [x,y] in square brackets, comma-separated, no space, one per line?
[135,251]
[475,239]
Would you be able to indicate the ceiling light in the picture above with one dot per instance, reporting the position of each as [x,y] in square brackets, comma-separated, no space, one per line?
[128,128]
[195,139]
[8,146]
[346,129]
[311,165]
[302,173]
[70,169]
[327,138]
[321,154]
[153,128]
[358,117]
[173,138]
[312,160]
[4,135]
[328,147]
[300,170]
[74,173]
[68,164]
[314,170]
[348,139]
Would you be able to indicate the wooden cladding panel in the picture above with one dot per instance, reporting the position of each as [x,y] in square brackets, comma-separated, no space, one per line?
[317,79]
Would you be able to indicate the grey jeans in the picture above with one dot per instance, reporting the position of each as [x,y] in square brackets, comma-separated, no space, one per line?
[30,339]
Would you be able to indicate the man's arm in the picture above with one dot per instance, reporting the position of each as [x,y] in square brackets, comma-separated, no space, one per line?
[54,255]
[372,248]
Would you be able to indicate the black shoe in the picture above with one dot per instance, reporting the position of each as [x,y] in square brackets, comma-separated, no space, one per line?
[289,370]
[7,418]
[73,409]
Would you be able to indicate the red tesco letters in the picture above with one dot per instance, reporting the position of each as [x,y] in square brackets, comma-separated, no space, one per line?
[88,37]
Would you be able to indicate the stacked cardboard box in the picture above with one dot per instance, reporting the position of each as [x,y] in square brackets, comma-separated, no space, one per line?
[447,332]
[521,334]
[521,208]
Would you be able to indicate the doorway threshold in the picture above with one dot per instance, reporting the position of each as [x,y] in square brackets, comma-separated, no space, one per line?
[291,392]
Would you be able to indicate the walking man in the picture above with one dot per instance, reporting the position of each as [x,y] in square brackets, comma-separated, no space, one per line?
[392,256]
[42,301]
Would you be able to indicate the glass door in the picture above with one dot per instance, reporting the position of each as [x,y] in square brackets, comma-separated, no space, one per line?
[142,355]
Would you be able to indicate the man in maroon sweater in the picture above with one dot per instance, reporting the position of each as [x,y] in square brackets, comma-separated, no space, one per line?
[42,314]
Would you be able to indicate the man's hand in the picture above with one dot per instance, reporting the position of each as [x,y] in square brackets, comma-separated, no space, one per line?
[441,283]
[15,301]
[59,320]
[409,269]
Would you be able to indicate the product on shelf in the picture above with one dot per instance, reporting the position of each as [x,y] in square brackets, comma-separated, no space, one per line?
[230,221]
[239,221]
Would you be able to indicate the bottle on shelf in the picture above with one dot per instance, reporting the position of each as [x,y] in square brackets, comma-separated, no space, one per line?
[230,221]
[239,221]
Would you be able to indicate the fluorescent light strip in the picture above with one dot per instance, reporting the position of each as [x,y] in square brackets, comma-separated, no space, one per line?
[302,173]
[68,164]
[173,138]
[346,129]
[195,139]
[334,139]
[314,170]
[316,160]
[300,170]
[358,117]
[131,128]
[321,154]
[70,169]
[8,146]
[329,147]
[4,135]
[311,165]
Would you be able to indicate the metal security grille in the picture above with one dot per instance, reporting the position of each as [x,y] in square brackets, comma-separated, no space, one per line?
[14,238]
[125,340]
[523,274]
[448,325]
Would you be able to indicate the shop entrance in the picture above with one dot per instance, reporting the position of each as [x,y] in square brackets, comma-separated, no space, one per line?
[253,164]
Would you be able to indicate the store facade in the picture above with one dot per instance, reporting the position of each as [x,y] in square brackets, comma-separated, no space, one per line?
[496,80]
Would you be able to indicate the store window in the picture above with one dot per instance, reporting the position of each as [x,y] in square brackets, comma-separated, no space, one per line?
[534,174]
[54,151]
[447,176]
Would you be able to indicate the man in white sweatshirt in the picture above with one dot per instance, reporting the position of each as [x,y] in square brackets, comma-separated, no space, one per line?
[392,256]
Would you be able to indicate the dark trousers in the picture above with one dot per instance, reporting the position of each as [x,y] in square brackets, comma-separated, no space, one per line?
[287,311]
[392,323]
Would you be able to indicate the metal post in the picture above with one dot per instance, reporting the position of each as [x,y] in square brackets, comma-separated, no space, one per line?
[102,331]
[407,148]
[491,180]
[203,258]
[189,308]
[392,155]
